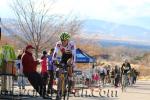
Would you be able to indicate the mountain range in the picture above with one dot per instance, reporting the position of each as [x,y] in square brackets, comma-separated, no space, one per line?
[107,33]
[114,34]
[116,30]
[113,43]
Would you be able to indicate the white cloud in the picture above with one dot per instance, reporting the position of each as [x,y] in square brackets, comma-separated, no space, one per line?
[119,11]
[112,10]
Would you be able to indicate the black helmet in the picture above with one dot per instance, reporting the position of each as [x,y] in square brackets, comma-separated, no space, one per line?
[44,52]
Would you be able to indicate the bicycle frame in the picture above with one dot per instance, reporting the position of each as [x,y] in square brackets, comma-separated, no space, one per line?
[124,82]
[63,82]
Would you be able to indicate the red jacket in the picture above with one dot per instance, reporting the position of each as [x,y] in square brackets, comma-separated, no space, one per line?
[44,64]
[29,65]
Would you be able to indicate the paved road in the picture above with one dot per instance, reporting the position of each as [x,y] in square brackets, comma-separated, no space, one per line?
[140,91]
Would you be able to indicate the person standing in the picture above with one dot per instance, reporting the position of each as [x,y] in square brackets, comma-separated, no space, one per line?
[19,67]
[117,75]
[112,75]
[51,69]
[29,70]
[132,75]
[44,73]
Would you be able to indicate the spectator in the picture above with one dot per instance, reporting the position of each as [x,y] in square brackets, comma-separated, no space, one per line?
[136,75]
[132,76]
[21,78]
[108,74]
[51,69]
[103,73]
[95,78]
[29,70]
[44,73]
[117,75]
[87,80]
[112,76]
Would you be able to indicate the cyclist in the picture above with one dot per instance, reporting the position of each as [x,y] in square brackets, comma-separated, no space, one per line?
[68,51]
[125,70]
[126,67]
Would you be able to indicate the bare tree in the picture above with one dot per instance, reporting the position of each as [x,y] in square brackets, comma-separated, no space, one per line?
[35,26]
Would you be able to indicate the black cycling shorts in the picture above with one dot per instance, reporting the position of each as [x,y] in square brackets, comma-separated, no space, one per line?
[65,57]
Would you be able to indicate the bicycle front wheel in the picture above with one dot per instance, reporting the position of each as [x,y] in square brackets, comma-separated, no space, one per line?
[68,89]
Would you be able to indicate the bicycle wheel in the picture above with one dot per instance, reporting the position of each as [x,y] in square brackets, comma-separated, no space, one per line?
[123,84]
[63,87]
[122,87]
[61,83]
[68,88]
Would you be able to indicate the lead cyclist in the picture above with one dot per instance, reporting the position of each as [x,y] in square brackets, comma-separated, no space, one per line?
[68,52]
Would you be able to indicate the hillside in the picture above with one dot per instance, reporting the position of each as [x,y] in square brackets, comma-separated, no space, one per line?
[116,31]
[128,44]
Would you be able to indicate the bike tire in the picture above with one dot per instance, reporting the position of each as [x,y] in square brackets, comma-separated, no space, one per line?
[68,89]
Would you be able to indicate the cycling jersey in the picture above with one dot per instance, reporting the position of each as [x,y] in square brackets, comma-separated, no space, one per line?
[68,51]
[125,68]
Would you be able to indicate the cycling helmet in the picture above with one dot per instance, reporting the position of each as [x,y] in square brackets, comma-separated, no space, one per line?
[65,36]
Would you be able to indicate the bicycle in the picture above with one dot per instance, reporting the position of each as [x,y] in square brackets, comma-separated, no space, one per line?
[64,84]
[124,82]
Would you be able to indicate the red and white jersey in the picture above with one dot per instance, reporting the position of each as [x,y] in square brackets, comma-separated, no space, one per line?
[71,47]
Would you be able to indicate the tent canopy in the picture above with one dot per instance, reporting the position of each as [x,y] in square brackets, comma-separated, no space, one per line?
[82,57]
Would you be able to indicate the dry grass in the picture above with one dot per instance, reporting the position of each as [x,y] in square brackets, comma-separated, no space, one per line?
[144,78]
[144,71]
